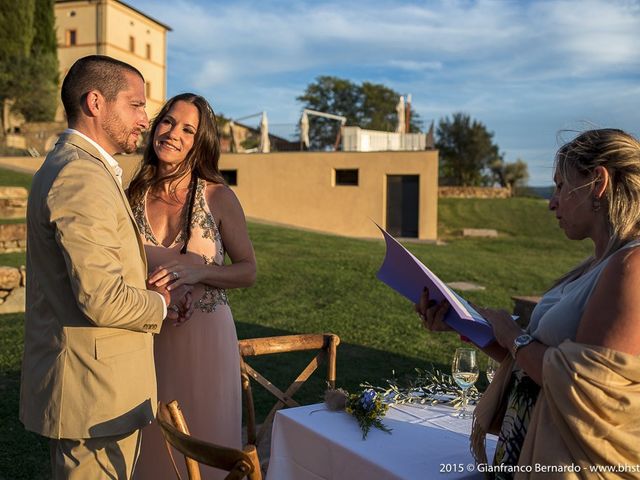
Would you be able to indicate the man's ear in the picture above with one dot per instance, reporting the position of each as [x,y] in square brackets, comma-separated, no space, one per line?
[94,103]
[601,181]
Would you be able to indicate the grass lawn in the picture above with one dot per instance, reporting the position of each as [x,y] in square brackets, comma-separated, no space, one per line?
[9,178]
[310,282]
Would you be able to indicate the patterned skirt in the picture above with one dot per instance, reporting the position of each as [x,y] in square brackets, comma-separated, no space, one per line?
[523,393]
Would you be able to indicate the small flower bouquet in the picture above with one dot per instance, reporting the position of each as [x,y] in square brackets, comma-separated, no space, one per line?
[366,407]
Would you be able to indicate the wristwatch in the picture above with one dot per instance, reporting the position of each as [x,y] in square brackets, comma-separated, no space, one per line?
[519,342]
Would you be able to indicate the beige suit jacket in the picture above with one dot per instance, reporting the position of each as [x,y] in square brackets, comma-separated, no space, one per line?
[88,366]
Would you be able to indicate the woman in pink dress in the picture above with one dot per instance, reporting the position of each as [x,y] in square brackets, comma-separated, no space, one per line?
[188,219]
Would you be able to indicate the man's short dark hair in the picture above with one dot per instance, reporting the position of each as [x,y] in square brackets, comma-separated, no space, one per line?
[95,72]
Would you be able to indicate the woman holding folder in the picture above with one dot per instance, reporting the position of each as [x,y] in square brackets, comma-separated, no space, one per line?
[570,382]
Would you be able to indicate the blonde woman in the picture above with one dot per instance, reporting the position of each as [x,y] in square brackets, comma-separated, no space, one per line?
[572,379]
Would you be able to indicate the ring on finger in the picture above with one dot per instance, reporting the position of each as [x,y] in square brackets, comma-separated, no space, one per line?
[175,275]
[173,308]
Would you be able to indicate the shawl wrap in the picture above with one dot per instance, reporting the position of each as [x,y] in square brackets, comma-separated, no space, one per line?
[587,414]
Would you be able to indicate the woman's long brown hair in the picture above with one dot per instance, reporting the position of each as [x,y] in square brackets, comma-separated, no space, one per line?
[201,161]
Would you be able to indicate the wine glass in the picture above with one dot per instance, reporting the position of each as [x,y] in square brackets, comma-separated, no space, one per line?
[464,370]
[492,366]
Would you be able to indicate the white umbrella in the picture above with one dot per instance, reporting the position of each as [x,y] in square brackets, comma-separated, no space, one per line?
[304,129]
[234,141]
[401,120]
[265,144]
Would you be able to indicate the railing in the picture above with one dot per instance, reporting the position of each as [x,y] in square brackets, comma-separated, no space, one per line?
[355,139]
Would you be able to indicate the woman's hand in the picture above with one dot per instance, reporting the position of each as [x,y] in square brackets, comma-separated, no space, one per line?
[505,329]
[174,274]
[432,313]
[184,308]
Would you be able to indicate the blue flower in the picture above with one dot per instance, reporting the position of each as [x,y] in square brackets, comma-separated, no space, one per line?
[366,407]
[367,399]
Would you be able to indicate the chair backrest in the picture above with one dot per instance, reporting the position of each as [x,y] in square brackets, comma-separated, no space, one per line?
[326,344]
[239,463]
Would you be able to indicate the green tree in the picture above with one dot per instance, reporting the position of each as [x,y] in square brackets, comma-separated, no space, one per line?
[330,95]
[369,105]
[466,151]
[378,111]
[41,81]
[16,36]
[28,58]
[510,175]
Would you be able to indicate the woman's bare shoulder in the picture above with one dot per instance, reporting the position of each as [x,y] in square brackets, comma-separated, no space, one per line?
[220,196]
[611,317]
[625,261]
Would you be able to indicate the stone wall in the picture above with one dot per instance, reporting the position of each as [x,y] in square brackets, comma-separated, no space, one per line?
[12,291]
[38,137]
[13,202]
[42,136]
[13,237]
[473,192]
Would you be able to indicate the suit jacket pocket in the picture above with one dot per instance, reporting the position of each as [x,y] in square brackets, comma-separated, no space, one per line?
[118,344]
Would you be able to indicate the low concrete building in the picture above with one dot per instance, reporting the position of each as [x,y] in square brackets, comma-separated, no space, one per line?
[340,192]
[334,192]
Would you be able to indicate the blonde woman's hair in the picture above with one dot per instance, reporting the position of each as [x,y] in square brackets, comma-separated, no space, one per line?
[619,153]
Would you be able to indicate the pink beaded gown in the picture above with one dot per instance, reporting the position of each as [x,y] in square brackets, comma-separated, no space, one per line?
[198,363]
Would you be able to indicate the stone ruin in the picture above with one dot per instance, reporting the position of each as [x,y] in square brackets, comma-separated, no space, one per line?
[13,238]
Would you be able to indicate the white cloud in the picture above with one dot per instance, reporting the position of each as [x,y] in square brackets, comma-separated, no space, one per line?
[593,34]
[524,68]
[415,66]
[213,73]
[488,38]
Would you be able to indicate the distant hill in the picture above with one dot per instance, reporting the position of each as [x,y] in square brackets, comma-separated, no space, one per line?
[542,192]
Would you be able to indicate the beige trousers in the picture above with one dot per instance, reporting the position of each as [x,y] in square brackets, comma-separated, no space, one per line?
[98,458]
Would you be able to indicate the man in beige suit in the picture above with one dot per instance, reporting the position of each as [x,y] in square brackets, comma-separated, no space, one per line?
[88,378]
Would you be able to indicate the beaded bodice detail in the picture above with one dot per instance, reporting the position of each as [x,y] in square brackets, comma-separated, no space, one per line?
[205,241]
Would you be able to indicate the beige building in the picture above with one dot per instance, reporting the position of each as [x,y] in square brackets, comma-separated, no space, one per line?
[114,28]
[333,192]
[340,192]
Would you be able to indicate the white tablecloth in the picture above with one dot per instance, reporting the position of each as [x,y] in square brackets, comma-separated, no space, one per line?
[311,443]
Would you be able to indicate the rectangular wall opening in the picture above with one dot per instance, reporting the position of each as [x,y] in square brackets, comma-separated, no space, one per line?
[403,201]
[230,176]
[346,176]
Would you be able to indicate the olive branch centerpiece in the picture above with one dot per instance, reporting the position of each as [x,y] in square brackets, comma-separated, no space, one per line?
[370,405]
[427,387]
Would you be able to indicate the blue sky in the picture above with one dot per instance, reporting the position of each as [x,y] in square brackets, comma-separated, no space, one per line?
[527,70]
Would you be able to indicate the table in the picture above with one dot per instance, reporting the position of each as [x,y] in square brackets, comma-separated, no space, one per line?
[313,443]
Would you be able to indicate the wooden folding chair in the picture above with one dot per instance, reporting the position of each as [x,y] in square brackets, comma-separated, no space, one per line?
[326,344]
[239,463]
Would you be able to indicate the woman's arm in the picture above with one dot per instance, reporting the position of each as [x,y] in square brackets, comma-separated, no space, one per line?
[529,357]
[612,315]
[611,318]
[227,210]
[235,238]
